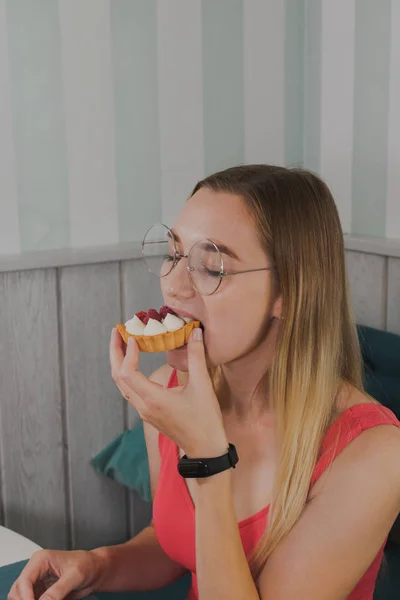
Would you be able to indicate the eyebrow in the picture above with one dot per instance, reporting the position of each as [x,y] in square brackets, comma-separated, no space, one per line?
[221,247]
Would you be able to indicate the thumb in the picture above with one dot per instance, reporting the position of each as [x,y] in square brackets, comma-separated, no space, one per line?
[198,371]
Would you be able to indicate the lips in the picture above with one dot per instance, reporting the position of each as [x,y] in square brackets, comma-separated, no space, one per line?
[182,313]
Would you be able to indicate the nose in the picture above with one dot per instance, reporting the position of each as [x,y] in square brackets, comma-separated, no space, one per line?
[177,283]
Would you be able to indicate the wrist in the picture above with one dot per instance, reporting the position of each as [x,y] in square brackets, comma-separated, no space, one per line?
[207,449]
[223,479]
[104,558]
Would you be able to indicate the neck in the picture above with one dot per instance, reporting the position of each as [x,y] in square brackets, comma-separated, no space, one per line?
[238,390]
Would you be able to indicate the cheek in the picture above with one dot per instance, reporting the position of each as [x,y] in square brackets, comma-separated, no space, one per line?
[236,318]
[163,290]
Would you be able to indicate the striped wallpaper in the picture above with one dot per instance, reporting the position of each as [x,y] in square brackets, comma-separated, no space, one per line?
[111,110]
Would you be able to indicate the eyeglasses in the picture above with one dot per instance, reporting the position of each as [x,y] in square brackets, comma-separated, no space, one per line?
[205,265]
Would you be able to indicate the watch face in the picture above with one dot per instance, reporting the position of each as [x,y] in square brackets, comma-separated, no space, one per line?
[193,468]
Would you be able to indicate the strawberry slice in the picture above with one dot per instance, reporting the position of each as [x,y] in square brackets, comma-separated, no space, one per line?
[165,310]
[142,315]
[153,314]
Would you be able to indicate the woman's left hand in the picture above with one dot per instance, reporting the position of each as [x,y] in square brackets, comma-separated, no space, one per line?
[190,415]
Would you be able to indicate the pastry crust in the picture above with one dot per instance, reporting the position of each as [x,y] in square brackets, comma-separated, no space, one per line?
[162,341]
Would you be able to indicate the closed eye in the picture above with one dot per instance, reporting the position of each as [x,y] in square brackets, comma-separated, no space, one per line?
[211,273]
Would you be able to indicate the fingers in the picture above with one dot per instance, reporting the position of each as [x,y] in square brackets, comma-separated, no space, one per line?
[23,588]
[134,386]
[67,583]
[198,371]
[131,359]
[134,379]
[123,360]
[117,352]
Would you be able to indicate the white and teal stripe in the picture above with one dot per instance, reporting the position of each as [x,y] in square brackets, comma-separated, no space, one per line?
[38,122]
[294,84]
[223,83]
[111,110]
[89,121]
[371,106]
[180,103]
[136,118]
[264,73]
[9,219]
[337,102]
[312,85]
[393,157]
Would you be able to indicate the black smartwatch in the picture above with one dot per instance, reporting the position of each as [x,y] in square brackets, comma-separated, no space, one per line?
[205,467]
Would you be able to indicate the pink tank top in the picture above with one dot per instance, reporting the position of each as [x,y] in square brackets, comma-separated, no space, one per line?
[173,509]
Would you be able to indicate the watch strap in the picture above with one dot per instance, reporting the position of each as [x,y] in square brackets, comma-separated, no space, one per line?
[206,467]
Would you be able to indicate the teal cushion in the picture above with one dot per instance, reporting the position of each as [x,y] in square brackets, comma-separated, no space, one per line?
[8,575]
[388,583]
[381,348]
[176,591]
[381,355]
[125,461]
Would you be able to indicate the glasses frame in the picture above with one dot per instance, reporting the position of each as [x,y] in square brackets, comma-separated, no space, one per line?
[178,256]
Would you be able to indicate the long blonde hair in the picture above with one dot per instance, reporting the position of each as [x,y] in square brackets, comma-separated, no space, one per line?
[317,348]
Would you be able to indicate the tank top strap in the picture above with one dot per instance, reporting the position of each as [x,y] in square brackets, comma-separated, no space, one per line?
[173,380]
[346,428]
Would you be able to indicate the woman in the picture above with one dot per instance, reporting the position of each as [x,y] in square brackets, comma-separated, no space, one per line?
[257,256]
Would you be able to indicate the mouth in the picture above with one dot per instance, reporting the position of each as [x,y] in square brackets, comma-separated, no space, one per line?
[182,313]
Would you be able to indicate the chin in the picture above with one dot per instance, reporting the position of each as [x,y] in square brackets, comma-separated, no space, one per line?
[178,359]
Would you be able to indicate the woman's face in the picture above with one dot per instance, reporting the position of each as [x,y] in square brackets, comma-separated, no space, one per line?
[237,316]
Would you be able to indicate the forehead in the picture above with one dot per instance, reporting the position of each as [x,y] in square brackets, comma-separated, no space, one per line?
[220,217]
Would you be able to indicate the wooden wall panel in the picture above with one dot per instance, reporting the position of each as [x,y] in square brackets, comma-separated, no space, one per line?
[140,291]
[90,308]
[393,310]
[31,411]
[59,405]
[368,281]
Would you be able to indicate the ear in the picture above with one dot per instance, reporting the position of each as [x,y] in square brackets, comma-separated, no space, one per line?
[277,308]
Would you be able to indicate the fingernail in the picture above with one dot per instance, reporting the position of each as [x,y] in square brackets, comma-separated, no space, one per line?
[130,341]
[197,334]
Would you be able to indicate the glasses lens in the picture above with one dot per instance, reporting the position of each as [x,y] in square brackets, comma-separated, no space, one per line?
[205,267]
[158,249]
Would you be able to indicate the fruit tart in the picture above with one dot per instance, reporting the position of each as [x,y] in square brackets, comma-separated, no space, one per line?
[158,331]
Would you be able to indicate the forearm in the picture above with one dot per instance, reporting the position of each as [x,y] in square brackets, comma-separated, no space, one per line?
[222,569]
[138,565]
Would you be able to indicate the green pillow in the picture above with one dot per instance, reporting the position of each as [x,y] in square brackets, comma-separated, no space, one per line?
[125,460]
[381,354]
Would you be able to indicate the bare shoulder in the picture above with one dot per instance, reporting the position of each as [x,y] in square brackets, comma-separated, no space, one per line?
[381,443]
[162,374]
[343,526]
[372,457]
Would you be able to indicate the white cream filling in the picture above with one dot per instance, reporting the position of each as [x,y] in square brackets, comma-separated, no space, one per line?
[173,323]
[135,326]
[154,327]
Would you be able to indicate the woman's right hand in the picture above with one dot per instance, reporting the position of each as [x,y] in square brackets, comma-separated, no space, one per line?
[55,574]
